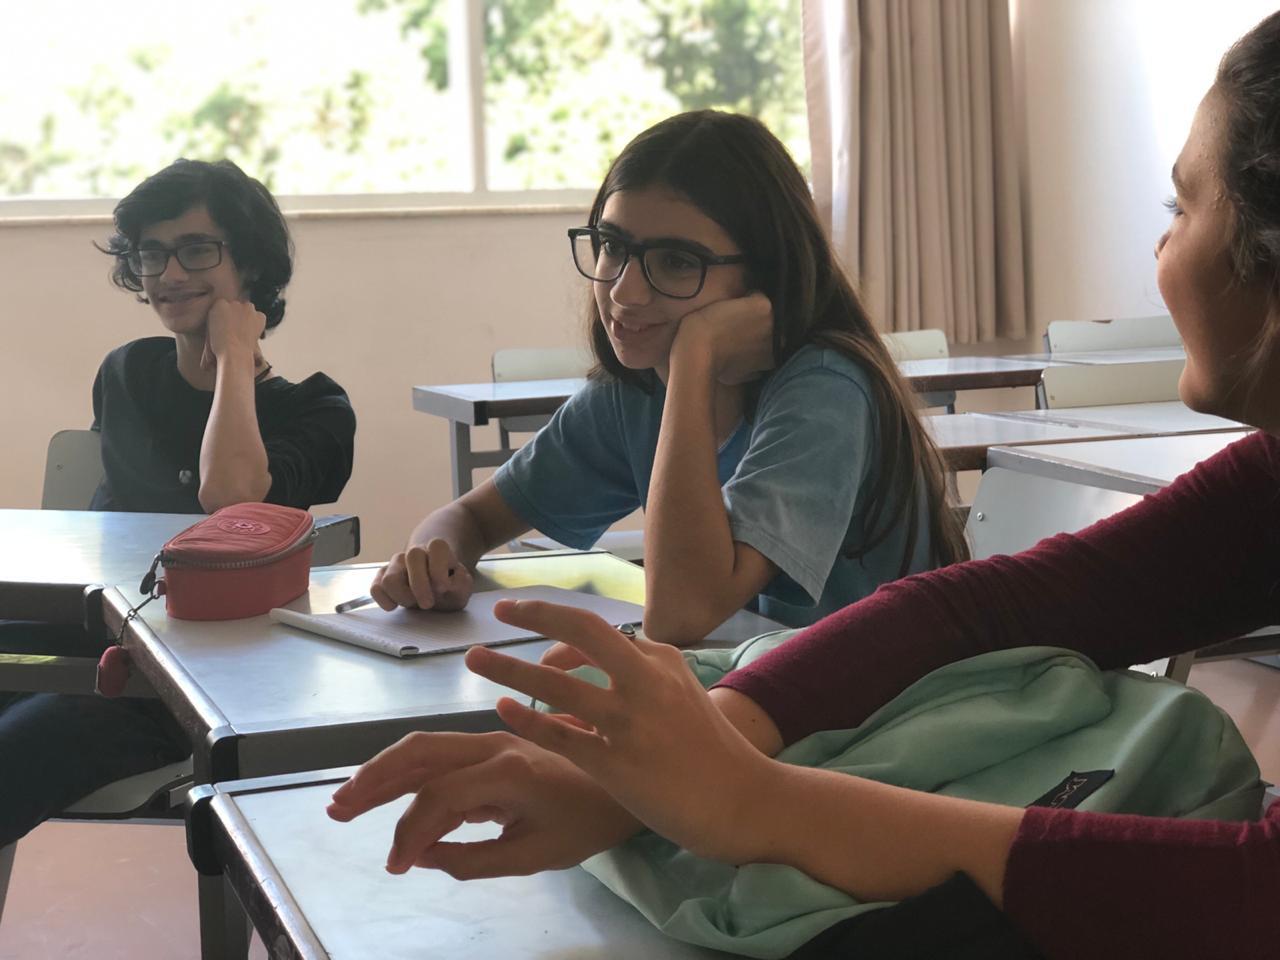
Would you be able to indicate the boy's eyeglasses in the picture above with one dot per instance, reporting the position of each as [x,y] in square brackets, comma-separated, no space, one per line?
[193,256]
[674,271]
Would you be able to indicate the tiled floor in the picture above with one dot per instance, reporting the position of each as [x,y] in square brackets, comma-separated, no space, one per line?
[127,892]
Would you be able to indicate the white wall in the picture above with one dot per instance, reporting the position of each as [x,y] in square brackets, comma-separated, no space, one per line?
[1108,89]
[379,304]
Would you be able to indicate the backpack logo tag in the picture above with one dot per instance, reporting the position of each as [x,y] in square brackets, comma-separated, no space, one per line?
[1073,790]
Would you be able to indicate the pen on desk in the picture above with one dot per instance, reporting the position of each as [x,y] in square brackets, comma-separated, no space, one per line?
[355,604]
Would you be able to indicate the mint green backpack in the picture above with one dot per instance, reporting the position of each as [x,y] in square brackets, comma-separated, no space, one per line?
[1007,727]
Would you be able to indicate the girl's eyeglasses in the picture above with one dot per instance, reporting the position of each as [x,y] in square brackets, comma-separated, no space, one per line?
[672,270]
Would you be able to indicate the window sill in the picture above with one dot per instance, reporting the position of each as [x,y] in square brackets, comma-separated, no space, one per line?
[97,212]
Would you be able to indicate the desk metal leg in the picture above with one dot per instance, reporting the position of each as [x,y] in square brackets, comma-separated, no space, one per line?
[224,927]
[460,453]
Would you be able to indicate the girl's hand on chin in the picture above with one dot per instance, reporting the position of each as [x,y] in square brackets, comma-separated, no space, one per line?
[736,334]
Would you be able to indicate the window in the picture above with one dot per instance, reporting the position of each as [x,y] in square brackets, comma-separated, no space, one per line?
[471,97]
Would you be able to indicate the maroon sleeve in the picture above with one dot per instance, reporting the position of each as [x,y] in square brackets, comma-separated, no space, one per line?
[1102,885]
[1185,567]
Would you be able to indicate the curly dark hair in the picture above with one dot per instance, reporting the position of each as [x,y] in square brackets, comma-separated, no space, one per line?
[741,176]
[257,236]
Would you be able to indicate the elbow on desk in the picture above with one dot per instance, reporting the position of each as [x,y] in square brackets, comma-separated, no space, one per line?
[679,627]
[214,495]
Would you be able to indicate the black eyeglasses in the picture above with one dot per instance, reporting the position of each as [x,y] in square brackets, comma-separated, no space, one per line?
[193,256]
[672,269]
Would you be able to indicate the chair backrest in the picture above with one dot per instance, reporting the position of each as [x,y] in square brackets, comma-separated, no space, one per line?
[541,363]
[536,363]
[72,470]
[1013,511]
[1074,336]
[1099,384]
[916,345]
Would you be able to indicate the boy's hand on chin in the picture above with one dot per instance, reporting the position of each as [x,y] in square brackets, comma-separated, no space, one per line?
[233,328]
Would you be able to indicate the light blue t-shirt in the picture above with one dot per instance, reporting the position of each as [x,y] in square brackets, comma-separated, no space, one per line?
[796,479]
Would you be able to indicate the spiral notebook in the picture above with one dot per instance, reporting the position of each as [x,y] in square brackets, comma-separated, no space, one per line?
[417,633]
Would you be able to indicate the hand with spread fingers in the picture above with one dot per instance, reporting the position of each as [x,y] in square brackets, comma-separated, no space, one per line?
[427,577]
[552,814]
[654,739]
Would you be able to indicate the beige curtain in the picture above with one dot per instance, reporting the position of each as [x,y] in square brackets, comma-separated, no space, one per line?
[914,159]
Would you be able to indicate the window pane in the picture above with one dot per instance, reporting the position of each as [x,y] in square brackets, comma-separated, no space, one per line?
[354,96]
[339,96]
[569,82]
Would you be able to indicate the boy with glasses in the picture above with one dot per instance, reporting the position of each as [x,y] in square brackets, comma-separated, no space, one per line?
[190,422]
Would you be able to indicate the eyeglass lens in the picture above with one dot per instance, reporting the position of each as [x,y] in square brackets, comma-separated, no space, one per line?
[671,271]
[199,255]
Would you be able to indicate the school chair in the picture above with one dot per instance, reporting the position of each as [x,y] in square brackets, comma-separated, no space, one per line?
[1131,333]
[1104,384]
[1013,511]
[552,363]
[72,470]
[922,345]
[535,363]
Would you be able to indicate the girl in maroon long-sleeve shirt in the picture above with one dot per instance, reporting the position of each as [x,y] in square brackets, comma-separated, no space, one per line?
[1196,563]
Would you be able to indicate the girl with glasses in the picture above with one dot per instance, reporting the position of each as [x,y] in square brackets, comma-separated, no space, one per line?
[741,397]
[190,422]
[1188,566]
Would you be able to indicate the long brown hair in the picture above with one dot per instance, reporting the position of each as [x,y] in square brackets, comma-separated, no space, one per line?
[738,173]
[1248,85]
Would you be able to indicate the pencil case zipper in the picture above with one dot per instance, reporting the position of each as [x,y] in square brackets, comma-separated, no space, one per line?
[171,562]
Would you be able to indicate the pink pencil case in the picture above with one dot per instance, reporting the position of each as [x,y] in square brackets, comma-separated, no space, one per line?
[238,562]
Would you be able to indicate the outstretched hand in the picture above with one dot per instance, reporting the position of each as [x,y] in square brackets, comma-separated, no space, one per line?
[552,814]
[654,739]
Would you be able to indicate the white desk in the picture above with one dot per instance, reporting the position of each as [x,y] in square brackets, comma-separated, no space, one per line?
[316,889]
[1138,465]
[1154,419]
[467,405]
[55,560]
[964,439]
[1090,357]
[52,557]
[259,698]
[58,563]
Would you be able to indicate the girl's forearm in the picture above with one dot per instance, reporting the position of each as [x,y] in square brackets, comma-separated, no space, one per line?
[874,841]
[880,842]
[233,461]
[749,719]
[689,549]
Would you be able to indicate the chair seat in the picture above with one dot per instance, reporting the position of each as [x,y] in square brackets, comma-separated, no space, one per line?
[137,794]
